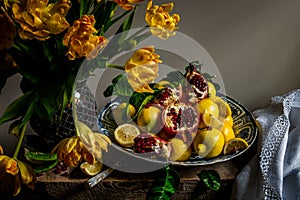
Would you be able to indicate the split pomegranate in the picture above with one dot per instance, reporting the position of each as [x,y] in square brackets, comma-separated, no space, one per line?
[168,96]
[180,118]
[197,83]
[150,143]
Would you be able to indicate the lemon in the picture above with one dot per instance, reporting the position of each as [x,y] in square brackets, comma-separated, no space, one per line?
[91,169]
[211,89]
[208,106]
[125,134]
[228,132]
[150,119]
[235,145]
[162,84]
[208,143]
[211,121]
[123,113]
[224,108]
[228,120]
[180,150]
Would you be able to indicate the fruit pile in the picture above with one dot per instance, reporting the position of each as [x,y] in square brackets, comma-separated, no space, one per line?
[181,121]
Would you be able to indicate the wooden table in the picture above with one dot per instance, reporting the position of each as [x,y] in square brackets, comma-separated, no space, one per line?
[134,186]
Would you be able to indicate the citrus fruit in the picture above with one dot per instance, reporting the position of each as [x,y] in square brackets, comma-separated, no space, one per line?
[149,119]
[91,169]
[228,120]
[228,132]
[211,89]
[162,84]
[211,121]
[208,143]
[235,145]
[123,113]
[224,108]
[208,106]
[180,151]
[125,134]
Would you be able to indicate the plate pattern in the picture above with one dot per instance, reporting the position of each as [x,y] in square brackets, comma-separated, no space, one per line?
[244,126]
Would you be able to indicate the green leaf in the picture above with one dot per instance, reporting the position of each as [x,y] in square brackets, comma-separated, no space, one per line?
[120,87]
[165,185]
[140,100]
[17,108]
[211,179]
[29,111]
[112,22]
[108,91]
[126,25]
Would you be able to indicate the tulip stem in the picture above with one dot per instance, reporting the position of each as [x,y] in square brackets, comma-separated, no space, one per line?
[116,66]
[19,144]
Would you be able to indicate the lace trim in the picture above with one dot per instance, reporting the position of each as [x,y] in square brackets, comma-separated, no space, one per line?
[273,141]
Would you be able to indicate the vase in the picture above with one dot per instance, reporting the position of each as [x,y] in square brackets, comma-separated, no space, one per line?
[47,135]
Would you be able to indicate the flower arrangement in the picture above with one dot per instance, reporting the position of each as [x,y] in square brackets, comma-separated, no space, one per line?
[46,42]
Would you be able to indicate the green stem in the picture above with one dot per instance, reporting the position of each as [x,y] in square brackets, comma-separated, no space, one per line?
[19,144]
[116,66]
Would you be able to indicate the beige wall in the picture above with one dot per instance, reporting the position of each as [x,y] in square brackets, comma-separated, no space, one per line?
[255,44]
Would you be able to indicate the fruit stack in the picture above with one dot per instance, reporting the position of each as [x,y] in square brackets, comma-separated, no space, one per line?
[183,121]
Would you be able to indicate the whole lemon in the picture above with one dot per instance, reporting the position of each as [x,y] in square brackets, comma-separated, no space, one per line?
[150,119]
[180,151]
[123,113]
[211,89]
[208,143]
[228,132]
[209,107]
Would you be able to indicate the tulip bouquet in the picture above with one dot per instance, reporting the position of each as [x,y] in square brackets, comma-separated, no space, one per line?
[46,42]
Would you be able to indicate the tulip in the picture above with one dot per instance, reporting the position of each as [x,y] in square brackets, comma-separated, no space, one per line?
[38,19]
[13,173]
[81,41]
[127,4]
[86,145]
[161,23]
[142,69]
[7,31]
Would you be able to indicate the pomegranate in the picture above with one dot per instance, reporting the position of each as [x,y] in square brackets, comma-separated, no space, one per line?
[180,118]
[150,143]
[197,83]
[168,96]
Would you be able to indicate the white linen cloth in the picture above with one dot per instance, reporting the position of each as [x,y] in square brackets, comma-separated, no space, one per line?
[274,173]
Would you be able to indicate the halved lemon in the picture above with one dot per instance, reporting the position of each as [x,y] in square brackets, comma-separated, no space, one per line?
[91,169]
[125,134]
[235,145]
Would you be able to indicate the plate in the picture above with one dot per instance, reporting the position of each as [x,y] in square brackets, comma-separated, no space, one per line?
[244,125]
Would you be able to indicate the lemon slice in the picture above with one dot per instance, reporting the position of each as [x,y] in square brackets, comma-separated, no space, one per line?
[91,169]
[235,145]
[125,134]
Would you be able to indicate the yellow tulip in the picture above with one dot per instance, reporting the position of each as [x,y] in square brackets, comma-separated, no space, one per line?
[73,150]
[38,19]
[161,23]
[81,41]
[7,31]
[13,173]
[127,4]
[142,69]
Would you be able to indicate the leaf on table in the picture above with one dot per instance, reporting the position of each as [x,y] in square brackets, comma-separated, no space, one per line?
[165,185]
[211,179]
